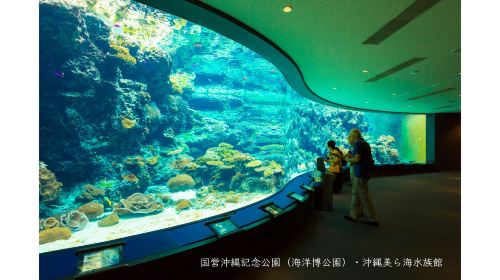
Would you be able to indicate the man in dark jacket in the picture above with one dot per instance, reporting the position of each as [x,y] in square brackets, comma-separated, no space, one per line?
[362,162]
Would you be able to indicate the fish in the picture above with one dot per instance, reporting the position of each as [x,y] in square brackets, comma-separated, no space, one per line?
[197,45]
[107,202]
[116,25]
[174,152]
[245,78]
[59,74]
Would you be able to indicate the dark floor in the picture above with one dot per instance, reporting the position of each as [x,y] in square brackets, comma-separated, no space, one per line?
[420,217]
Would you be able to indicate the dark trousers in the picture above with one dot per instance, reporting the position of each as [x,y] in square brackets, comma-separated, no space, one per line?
[337,182]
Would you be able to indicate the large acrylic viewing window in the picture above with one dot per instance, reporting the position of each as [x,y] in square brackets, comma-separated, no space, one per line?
[149,121]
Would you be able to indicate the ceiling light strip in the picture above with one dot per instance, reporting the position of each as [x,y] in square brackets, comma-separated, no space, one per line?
[432,93]
[395,69]
[413,11]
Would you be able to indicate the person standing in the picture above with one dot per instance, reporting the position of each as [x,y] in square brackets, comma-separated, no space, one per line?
[335,158]
[361,161]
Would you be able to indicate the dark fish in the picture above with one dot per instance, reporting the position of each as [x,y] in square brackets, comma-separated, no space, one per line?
[59,74]
[197,45]
[116,25]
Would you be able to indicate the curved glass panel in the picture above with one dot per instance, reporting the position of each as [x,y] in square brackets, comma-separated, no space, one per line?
[148,121]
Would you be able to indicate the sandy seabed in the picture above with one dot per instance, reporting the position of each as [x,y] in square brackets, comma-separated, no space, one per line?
[93,234]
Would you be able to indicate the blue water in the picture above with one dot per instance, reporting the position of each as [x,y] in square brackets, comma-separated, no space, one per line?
[137,101]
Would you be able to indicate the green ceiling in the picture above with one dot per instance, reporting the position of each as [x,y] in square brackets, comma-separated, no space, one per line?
[319,48]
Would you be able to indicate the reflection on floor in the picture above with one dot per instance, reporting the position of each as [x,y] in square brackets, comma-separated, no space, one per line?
[420,217]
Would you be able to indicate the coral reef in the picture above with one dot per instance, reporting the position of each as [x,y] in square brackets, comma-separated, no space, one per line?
[122,53]
[50,222]
[110,220]
[182,204]
[90,193]
[49,187]
[93,210]
[139,203]
[180,182]
[181,81]
[53,234]
[74,220]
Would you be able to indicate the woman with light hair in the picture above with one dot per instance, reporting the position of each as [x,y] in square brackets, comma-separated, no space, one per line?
[361,162]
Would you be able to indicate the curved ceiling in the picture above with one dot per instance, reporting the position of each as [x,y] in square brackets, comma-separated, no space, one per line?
[384,55]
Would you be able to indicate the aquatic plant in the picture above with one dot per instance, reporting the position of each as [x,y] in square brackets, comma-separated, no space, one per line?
[180,182]
[122,53]
[139,203]
[93,210]
[53,234]
[127,123]
[181,80]
[49,187]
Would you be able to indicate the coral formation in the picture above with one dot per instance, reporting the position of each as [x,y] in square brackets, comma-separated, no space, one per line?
[50,222]
[215,162]
[127,123]
[53,234]
[132,178]
[122,53]
[111,219]
[180,182]
[49,187]
[182,204]
[139,203]
[74,220]
[254,163]
[90,193]
[93,210]
[181,81]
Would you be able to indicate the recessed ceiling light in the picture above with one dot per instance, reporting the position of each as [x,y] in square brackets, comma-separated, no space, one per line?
[365,71]
[287,9]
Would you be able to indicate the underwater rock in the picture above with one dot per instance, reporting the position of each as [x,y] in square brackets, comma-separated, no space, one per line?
[74,220]
[49,187]
[180,182]
[139,203]
[53,234]
[92,210]
[111,219]
[90,193]
[182,205]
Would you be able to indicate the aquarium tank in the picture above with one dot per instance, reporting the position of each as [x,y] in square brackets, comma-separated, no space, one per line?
[149,121]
